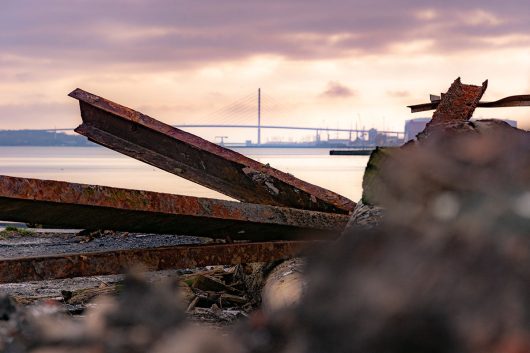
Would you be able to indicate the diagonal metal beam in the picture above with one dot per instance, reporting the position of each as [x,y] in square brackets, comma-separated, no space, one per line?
[512,101]
[151,259]
[146,139]
[81,206]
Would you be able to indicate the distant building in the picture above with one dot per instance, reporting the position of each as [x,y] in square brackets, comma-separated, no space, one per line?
[372,136]
[414,127]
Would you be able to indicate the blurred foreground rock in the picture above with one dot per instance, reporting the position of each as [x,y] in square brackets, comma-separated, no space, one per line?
[448,271]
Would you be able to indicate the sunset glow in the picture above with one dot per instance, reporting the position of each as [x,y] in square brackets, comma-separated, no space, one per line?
[334,63]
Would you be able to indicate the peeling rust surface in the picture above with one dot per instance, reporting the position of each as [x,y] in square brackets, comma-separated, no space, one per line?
[459,103]
[522,100]
[455,109]
[152,259]
[151,141]
[84,206]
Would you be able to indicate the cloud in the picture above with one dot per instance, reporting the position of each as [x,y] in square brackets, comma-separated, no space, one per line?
[154,54]
[169,32]
[337,90]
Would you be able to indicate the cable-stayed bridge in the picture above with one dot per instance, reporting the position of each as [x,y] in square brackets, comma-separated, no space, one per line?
[248,112]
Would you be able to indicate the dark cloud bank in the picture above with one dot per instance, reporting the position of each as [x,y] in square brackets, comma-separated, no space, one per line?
[187,32]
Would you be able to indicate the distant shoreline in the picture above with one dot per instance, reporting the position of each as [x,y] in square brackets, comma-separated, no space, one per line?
[34,138]
[16,138]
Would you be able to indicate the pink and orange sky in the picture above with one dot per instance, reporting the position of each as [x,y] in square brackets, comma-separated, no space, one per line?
[332,63]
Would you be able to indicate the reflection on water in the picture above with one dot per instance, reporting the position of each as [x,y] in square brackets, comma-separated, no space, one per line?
[95,165]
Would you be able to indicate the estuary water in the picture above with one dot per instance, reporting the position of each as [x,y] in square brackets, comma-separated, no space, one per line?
[97,165]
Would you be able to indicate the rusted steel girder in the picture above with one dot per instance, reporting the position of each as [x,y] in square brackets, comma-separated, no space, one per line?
[151,259]
[83,206]
[146,139]
[455,108]
[459,103]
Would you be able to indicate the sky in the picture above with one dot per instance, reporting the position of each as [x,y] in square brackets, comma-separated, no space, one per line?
[333,63]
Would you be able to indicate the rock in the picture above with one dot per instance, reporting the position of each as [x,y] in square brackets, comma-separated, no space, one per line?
[284,286]
[448,270]
[366,216]
[371,186]
[197,340]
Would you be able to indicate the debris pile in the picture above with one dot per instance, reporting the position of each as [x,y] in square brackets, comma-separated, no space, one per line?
[436,257]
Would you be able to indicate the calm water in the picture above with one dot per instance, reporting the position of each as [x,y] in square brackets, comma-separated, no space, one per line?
[95,165]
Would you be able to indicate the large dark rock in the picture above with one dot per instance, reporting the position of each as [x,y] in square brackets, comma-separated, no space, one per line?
[448,270]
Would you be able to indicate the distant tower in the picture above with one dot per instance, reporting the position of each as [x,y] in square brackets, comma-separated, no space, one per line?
[259,116]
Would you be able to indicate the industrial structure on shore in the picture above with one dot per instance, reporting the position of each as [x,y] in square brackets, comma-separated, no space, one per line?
[236,117]
[354,138]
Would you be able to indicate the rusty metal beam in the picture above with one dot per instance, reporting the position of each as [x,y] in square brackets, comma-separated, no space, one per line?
[83,206]
[146,139]
[455,108]
[512,101]
[152,259]
[459,103]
